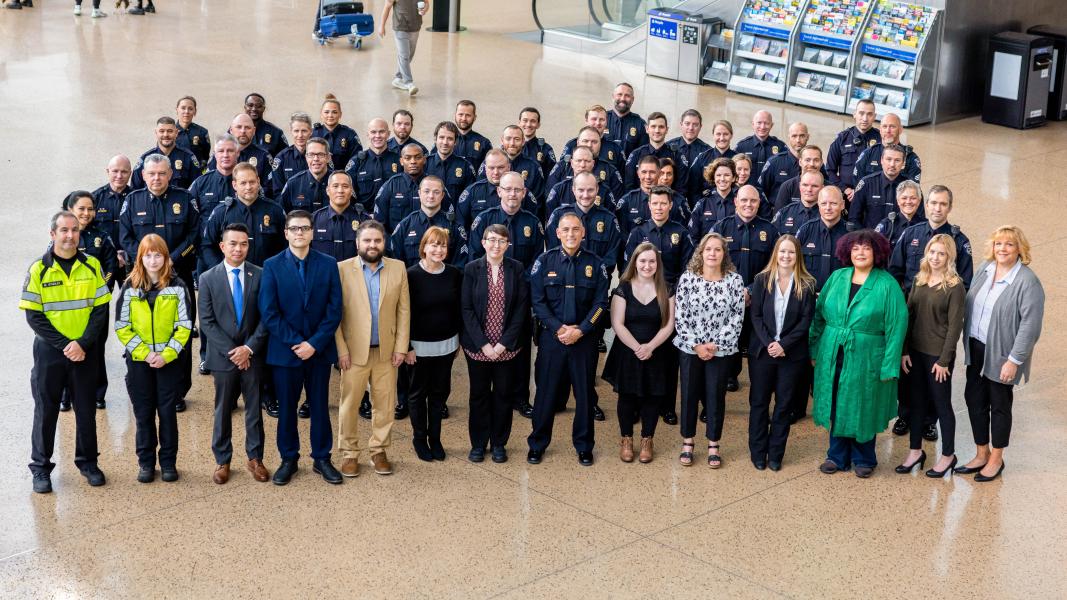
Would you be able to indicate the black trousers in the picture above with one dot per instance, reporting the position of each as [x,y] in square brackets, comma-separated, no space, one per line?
[647,406]
[930,400]
[51,373]
[494,389]
[98,351]
[768,431]
[431,383]
[737,360]
[228,384]
[153,393]
[988,402]
[800,399]
[703,381]
[523,369]
[577,363]
[905,392]
[669,401]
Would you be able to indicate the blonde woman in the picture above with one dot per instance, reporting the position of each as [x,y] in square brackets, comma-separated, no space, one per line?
[935,321]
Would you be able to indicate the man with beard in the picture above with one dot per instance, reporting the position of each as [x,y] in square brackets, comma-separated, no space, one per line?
[184,164]
[624,127]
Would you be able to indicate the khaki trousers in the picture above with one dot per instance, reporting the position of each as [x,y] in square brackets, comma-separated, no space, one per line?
[381,375]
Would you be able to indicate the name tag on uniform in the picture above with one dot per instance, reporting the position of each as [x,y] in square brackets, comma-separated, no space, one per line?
[914,241]
[550,274]
[52,284]
[141,214]
[412,234]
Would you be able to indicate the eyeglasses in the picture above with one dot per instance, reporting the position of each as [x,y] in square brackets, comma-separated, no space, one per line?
[317,155]
[512,190]
[298,228]
[495,242]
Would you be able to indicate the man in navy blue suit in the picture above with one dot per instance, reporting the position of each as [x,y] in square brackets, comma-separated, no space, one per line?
[300,303]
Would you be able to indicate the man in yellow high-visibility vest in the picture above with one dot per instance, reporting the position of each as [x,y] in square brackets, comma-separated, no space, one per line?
[66,302]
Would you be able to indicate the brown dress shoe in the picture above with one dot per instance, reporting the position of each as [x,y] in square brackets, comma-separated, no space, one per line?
[381,464]
[350,467]
[222,474]
[258,471]
[626,449]
[646,450]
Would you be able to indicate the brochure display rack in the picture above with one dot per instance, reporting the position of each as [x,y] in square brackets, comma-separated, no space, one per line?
[761,47]
[823,52]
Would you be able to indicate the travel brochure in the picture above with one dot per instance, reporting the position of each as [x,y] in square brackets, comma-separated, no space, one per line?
[768,73]
[899,23]
[837,17]
[773,12]
[762,45]
[884,96]
[822,56]
[890,69]
[818,82]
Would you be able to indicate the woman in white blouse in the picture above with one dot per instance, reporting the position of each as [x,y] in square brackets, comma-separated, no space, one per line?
[709,311]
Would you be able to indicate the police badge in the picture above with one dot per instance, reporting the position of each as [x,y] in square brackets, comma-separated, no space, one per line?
[774,149]
[266,220]
[196,140]
[524,174]
[177,208]
[675,238]
[477,146]
[178,165]
[394,167]
[527,231]
[600,227]
[355,225]
[459,172]
[588,270]
[266,138]
[97,242]
[252,160]
[633,131]
[540,157]
[603,175]
[763,236]
[344,143]
[871,143]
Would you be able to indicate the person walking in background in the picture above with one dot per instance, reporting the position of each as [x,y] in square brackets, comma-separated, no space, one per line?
[407,22]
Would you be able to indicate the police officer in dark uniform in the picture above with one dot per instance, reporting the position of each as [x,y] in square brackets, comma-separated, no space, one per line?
[656,147]
[722,133]
[216,185]
[533,147]
[632,209]
[689,146]
[848,145]
[804,209]
[603,236]
[717,203]
[446,165]
[511,142]
[245,204]
[670,237]
[403,121]
[269,136]
[869,161]
[624,127]
[242,128]
[483,194]
[818,237]
[186,166]
[750,241]
[399,195]
[783,166]
[876,195]
[909,198]
[470,144]
[291,160]
[307,189]
[562,193]
[404,242]
[605,171]
[191,137]
[609,150]
[342,140]
[373,165]
[761,146]
[109,199]
[334,226]
[810,160]
[569,294]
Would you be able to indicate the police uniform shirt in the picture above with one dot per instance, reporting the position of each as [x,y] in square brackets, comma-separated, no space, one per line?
[869,162]
[610,152]
[185,168]
[108,206]
[711,209]
[562,194]
[569,290]
[779,169]
[210,189]
[894,224]
[750,244]
[195,139]
[394,146]
[526,236]
[286,163]
[343,140]
[541,152]
[681,166]
[255,156]
[304,192]
[532,176]
[481,196]
[911,246]
[632,209]
[172,216]
[874,198]
[793,215]
[628,131]
[688,151]
[674,244]
[455,171]
[604,172]
[602,234]
[404,243]
[818,242]
[265,220]
[335,232]
[369,170]
[96,242]
[472,146]
[697,184]
[845,151]
[270,137]
[397,198]
[760,151]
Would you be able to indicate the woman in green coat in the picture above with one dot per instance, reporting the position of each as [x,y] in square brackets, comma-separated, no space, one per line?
[856,338]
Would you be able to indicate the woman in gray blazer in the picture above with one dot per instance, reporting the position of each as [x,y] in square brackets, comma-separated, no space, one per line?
[1002,322]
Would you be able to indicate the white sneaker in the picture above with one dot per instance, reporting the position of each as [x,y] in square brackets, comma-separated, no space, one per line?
[398,84]
[412,89]
[77,10]
[98,14]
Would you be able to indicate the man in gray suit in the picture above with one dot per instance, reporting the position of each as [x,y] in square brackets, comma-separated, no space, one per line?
[236,339]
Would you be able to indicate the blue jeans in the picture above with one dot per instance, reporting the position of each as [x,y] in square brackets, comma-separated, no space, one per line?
[846,452]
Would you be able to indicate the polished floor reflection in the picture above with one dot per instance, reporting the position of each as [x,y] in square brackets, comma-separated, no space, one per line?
[74,91]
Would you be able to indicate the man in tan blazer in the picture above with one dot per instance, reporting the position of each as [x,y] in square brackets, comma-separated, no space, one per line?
[371,343]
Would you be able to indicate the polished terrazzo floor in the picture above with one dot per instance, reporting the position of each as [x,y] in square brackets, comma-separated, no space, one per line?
[75,91]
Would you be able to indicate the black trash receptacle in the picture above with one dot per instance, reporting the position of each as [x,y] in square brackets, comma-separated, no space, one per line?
[1016,91]
[1057,95]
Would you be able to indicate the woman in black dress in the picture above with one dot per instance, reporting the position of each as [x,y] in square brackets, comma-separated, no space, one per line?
[642,315]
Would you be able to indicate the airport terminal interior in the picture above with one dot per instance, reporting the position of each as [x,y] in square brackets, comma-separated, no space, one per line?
[75,91]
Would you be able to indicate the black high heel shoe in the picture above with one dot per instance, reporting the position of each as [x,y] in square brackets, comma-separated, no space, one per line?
[982,478]
[905,469]
[965,470]
[932,474]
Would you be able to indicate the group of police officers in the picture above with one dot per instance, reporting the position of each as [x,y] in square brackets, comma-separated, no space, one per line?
[620,175]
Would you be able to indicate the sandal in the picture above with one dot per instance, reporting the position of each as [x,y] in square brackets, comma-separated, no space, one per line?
[686,457]
[714,460]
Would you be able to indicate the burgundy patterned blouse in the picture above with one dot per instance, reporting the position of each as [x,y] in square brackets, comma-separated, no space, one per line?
[494,316]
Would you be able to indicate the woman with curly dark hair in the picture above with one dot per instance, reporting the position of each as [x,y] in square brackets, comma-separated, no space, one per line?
[856,339]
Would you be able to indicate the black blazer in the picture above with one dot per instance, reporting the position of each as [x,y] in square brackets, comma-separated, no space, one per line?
[475,303]
[798,314]
[218,321]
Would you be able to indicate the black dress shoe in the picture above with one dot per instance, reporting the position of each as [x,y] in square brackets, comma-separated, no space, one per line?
[760,464]
[364,408]
[304,412]
[598,415]
[271,407]
[151,8]
[437,450]
[585,458]
[136,10]
[285,472]
[863,472]
[179,405]
[64,405]
[42,482]
[168,474]
[900,427]
[982,478]
[401,411]
[203,368]
[775,465]
[500,454]
[904,469]
[732,384]
[324,467]
[534,456]
[524,409]
[422,449]
[930,433]
[703,415]
[670,417]
[601,347]
[101,404]
[94,475]
[932,474]
[146,474]
[476,455]
[444,412]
